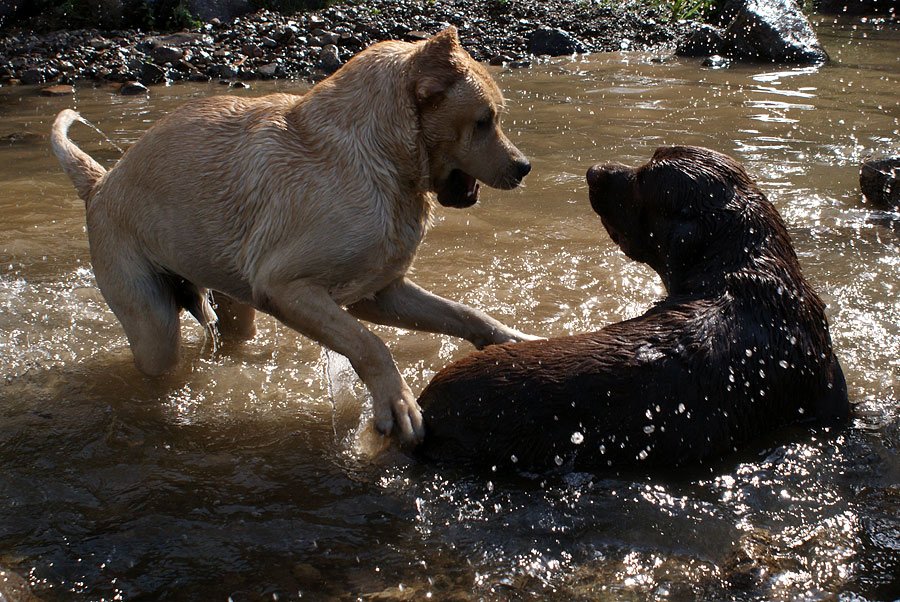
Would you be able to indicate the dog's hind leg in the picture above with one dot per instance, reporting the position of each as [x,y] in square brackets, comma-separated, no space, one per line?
[145,304]
[236,321]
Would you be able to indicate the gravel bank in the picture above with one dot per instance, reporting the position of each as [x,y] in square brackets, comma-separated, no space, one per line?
[309,46]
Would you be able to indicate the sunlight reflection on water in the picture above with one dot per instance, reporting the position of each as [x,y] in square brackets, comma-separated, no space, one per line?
[250,473]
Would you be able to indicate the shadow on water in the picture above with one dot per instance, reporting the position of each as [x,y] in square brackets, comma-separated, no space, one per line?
[247,474]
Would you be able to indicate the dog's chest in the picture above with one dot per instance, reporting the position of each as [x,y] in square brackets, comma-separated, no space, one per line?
[386,255]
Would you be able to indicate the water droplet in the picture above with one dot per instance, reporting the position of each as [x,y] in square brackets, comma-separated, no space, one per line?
[649,429]
[749,352]
[602,449]
[783,364]
[558,460]
[577,438]
[514,458]
[642,455]
[681,408]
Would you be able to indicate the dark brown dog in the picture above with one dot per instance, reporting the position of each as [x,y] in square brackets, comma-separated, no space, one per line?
[739,347]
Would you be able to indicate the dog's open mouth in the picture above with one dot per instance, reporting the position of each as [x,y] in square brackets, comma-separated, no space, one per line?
[458,190]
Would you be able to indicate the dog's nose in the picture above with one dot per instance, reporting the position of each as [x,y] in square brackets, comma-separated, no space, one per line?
[608,175]
[523,168]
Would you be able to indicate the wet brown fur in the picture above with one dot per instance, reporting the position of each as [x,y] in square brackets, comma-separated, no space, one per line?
[739,347]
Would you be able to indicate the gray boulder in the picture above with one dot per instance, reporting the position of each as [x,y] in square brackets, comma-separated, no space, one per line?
[147,72]
[706,40]
[329,61]
[554,42]
[772,30]
[879,181]
[166,54]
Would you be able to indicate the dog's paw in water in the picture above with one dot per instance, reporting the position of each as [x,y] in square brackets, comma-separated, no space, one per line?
[401,417]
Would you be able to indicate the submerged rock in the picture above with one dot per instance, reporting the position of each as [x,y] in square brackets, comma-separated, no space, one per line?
[133,88]
[61,90]
[716,62]
[879,181]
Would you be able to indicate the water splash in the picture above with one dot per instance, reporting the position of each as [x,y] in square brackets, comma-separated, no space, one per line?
[99,131]
[338,381]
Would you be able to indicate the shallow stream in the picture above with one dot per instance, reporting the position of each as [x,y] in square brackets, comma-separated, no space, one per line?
[245,474]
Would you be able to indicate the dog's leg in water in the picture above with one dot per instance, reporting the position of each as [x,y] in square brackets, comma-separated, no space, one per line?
[236,321]
[407,305]
[145,304]
[310,310]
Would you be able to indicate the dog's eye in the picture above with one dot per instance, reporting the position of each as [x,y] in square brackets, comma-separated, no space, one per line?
[485,122]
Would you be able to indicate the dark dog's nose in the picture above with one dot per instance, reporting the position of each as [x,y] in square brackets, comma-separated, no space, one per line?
[523,168]
[600,176]
[594,174]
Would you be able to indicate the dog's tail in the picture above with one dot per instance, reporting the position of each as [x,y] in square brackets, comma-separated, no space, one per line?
[78,165]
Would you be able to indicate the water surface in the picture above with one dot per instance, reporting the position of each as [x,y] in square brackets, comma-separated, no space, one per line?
[243,474]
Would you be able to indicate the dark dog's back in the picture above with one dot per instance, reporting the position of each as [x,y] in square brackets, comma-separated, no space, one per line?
[738,348]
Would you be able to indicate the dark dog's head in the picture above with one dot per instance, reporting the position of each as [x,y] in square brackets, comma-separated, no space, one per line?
[692,214]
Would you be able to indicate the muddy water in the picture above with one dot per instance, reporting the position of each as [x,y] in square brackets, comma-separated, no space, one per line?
[247,474]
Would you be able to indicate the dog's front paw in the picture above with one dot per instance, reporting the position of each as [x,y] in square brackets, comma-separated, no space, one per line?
[401,416]
[521,336]
[507,335]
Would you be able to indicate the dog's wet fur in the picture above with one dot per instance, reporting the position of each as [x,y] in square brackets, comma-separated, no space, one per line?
[309,208]
[738,348]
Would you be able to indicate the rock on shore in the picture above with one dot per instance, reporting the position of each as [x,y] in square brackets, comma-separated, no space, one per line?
[311,45]
[758,30]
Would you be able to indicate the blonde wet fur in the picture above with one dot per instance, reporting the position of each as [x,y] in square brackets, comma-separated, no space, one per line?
[309,208]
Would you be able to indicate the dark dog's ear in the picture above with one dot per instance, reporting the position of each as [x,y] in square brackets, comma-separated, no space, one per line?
[436,66]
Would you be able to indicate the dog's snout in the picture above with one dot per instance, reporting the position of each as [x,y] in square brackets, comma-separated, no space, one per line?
[594,174]
[522,167]
[600,176]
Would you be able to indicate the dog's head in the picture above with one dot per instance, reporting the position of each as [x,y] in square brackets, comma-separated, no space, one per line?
[691,214]
[459,109]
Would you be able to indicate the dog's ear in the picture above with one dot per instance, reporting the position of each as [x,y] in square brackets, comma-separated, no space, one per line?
[436,66]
